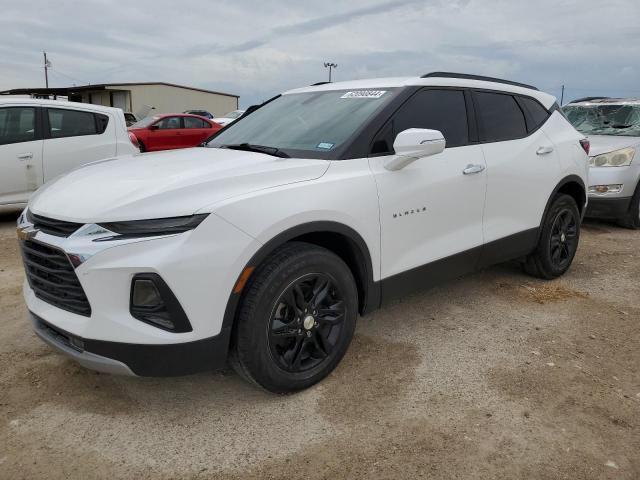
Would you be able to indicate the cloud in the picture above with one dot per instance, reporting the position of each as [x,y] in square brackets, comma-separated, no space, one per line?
[256,49]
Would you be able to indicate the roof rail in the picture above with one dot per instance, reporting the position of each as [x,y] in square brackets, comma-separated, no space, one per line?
[587,99]
[468,76]
[319,83]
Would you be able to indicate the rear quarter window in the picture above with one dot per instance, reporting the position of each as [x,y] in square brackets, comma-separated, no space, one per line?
[536,114]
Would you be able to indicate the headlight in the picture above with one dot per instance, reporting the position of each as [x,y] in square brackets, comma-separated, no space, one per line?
[157,226]
[617,158]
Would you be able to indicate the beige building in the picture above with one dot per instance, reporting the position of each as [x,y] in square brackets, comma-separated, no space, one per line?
[140,98]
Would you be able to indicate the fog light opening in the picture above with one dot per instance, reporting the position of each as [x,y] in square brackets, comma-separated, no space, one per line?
[153,302]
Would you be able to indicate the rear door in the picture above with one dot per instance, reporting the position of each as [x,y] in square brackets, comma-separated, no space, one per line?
[20,153]
[167,136]
[430,211]
[74,138]
[196,130]
[522,167]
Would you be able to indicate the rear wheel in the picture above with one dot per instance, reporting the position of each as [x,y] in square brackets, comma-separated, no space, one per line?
[296,319]
[558,242]
[632,218]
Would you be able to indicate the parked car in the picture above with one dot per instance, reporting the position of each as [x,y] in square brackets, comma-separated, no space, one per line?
[130,118]
[40,139]
[229,117]
[325,202]
[613,128]
[201,113]
[170,131]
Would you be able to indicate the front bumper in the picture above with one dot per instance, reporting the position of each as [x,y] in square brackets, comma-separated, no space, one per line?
[200,267]
[602,207]
[135,359]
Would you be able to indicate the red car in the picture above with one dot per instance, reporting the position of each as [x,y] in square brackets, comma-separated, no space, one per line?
[171,130]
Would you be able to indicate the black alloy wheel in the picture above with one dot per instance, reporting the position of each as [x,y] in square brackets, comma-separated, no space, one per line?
[563,241]
[296,318]
[306,322]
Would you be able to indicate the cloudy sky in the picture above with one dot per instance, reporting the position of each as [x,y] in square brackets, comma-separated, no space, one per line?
[257,48]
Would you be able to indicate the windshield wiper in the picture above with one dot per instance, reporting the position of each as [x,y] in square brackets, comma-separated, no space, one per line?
[250,147]
[621,126]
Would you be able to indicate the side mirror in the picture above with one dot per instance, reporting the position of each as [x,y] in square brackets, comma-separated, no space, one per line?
[155,126]
[413,144]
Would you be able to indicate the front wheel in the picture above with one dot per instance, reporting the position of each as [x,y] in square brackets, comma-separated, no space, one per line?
[558,241]
[296,319]
[632,218]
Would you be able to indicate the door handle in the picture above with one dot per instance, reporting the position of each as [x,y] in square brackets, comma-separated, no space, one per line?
[471,169]
[544,150]
[25,156]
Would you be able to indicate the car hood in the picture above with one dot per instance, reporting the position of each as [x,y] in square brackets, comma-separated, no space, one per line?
[608,143]
[165,184]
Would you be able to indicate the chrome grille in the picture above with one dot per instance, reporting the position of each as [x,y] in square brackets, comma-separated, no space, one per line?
[52,277]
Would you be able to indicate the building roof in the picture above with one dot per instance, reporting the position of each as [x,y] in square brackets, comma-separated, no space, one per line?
[101,86]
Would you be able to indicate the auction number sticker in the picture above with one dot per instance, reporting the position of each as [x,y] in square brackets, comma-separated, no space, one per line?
[364,94]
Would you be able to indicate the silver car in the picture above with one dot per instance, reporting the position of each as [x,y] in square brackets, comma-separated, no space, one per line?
[612,126]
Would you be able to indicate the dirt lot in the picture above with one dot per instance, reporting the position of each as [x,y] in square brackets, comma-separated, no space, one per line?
[495,375]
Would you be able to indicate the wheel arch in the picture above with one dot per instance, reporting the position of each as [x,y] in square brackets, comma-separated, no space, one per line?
[340,239]
[573,186]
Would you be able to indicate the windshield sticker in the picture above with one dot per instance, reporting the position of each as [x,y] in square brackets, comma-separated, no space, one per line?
[325,145]
[364,94]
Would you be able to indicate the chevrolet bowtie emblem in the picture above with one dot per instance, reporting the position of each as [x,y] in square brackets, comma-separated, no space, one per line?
[26,233]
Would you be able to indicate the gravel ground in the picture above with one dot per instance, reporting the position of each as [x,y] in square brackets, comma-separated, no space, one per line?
[496,375]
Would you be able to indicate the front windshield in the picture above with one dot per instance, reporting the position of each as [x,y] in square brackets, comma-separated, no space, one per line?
[605,119]
[314,123]
[145,122]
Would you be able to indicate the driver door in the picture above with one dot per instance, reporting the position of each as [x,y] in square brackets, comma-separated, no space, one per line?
[431,210]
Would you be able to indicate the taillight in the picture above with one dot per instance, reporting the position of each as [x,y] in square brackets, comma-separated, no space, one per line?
[134,140]
[585,145]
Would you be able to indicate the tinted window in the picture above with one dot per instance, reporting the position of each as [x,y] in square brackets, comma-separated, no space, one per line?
[536,113]
[70,123]
[442,110]
[17,124]
[500,117]
[191,122]
[169,123]
[101,121]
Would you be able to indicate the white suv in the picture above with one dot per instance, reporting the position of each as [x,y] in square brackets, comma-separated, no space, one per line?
[325,202]
[40,139]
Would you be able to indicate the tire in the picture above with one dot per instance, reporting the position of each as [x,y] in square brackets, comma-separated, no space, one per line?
[142,147]
[632,218]
[296,319]
[558,241]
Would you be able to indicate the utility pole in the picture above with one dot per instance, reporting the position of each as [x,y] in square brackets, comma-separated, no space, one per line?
[330,66]
[562,96]
[47,65]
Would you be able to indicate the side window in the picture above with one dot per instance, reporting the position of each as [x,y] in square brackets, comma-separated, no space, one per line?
[169,123]
[192,122]
[536,113]
[500,117]
[17,124]
[443,110]
[101,121]
[70,123]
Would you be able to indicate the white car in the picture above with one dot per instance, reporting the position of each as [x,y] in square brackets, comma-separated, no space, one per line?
[229,117]
[41,139]
[613,129]
[325,202]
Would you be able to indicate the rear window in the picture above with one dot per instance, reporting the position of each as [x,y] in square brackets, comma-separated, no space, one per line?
[17,124]
[500,117]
